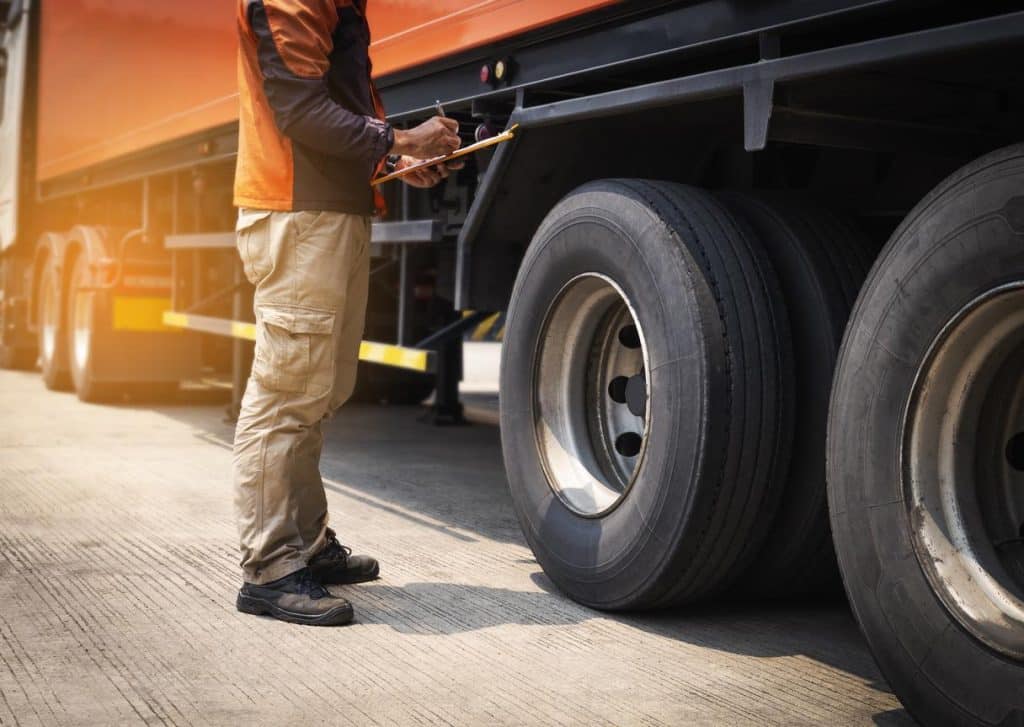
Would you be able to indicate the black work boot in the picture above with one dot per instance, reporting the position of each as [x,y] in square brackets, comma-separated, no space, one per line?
[297,598]
[336,564]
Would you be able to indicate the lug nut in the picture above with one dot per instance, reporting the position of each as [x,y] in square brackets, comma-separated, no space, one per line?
[617,389]
[629,336]
[628,444]
[1015,451]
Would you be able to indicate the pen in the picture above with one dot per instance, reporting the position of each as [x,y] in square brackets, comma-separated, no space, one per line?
[439,108]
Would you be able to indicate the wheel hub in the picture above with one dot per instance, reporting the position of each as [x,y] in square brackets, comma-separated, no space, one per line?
[590,395]
[963,465]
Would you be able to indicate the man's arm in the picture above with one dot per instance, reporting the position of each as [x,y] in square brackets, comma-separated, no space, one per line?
[293,43]
[294,46]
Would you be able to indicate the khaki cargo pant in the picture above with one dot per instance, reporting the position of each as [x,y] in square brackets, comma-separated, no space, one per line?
[311,273]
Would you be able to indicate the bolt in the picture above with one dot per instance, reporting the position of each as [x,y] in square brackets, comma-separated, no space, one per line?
[629,336]
[617,389]
[628,444]
[1015,451]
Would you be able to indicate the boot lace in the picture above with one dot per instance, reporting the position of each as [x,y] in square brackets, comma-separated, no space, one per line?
[334,549]
[311,587]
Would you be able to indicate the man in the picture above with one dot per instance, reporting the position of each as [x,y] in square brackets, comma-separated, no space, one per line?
[312,134]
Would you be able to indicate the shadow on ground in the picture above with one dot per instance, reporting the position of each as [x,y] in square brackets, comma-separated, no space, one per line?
[464,488]
[464,493]
[758,630]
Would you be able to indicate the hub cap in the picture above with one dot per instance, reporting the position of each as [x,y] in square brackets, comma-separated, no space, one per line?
[963,463]
[591,394]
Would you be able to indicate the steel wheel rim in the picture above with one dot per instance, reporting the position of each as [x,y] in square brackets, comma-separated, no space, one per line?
[591,436]
[963,468]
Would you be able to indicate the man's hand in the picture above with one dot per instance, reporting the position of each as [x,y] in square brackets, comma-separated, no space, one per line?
[433,138]
[428,176]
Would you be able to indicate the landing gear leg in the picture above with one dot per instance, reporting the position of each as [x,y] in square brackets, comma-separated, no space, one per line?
[447,409]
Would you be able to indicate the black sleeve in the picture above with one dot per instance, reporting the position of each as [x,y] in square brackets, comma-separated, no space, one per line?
[305,112]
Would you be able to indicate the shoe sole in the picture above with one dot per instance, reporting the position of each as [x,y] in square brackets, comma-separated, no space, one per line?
[338,616]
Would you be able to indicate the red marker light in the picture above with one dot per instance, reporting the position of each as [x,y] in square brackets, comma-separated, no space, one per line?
[483,131]
[485,73]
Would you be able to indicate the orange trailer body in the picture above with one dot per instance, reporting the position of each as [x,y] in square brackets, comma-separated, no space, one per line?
[120,76]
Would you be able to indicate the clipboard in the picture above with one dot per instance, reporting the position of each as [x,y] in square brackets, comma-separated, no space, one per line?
[506,135]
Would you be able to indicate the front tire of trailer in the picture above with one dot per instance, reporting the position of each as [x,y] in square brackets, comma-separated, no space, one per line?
[926,430]
[644,395]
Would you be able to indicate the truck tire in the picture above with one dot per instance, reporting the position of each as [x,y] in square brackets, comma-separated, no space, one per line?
[50,325]
[645,398]
[926,451]
[821,261]
[84,335]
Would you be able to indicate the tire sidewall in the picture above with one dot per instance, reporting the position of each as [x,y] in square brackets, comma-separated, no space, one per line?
[82,377]
[956,245]
[592,557]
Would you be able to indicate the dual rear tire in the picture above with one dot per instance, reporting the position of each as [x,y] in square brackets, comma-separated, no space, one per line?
[79,348]
[658,450]
[821,260]
[646,394]
[67,332]
[657,446]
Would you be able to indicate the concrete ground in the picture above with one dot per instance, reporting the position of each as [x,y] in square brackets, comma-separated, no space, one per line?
[118,575]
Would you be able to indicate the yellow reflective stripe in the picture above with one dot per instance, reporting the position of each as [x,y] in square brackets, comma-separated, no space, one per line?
[484,327]
[209,324]
[175,320]
[243,330]
[406,358]
[371,351]
[139,314]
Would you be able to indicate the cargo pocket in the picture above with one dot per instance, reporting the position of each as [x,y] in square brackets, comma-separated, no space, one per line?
[252,237]
[294,349]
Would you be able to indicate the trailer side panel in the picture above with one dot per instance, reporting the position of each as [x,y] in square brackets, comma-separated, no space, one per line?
[122,76]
